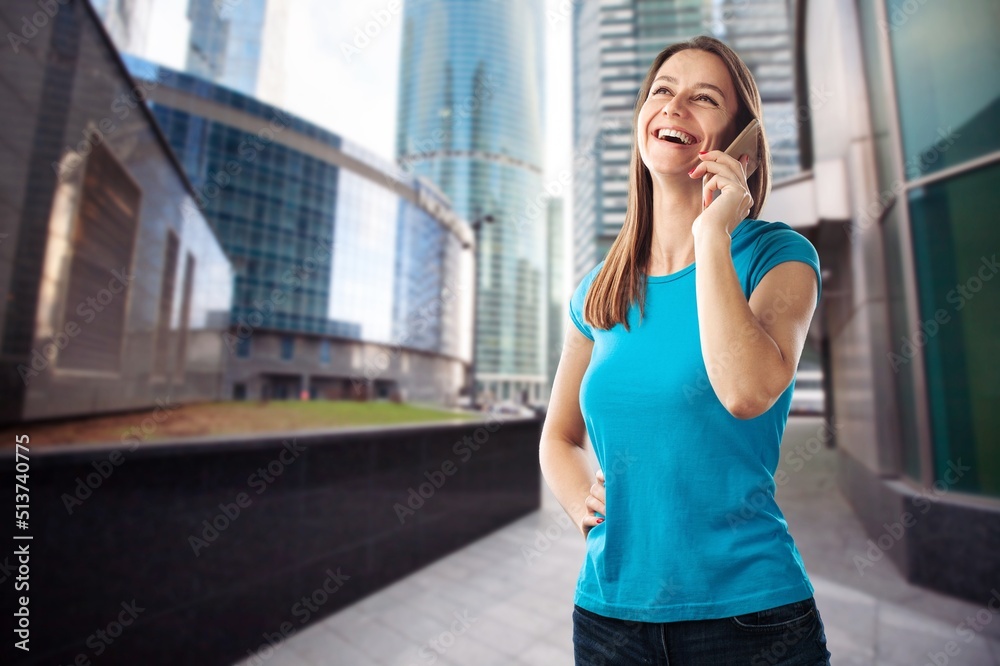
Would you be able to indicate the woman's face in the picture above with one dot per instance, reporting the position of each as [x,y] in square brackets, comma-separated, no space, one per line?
[693,96]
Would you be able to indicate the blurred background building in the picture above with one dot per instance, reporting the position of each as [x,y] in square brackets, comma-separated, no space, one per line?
[239,44]
[127,22]
[613,46]
[114,299]
[898,112]
[350,274]
[470,120]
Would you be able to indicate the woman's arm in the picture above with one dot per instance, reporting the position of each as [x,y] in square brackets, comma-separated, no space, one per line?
[561,453]
[751,348]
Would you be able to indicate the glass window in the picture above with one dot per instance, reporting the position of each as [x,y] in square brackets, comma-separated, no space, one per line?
[287,347]
[959,294]
[243,347]
[324,351]
[945,56]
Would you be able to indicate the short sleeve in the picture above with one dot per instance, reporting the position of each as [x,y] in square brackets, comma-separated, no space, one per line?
[778,246]
[576,303]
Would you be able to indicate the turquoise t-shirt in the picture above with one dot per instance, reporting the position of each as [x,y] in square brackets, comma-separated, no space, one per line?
[692,530]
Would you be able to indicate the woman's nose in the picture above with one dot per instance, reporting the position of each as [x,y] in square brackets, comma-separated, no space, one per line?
[673,107]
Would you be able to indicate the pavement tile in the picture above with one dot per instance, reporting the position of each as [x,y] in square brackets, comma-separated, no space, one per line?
[381,643]
[543,653]
[501,636]
[468,651]
[325,649]
[849,618]
[906,637]
[519,617]
[415,625]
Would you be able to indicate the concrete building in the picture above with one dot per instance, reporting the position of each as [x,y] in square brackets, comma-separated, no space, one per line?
[114,297]
[353,278]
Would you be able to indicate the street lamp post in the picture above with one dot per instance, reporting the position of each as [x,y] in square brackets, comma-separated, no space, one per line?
[477,225]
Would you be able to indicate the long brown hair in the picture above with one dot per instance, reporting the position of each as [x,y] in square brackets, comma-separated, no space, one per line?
[622,279]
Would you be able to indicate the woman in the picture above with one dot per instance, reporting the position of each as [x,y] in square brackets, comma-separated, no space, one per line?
[682,379]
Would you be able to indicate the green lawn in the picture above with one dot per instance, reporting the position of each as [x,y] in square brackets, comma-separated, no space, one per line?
[220,418]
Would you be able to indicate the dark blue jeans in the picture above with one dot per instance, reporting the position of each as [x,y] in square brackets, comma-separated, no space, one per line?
[788,635]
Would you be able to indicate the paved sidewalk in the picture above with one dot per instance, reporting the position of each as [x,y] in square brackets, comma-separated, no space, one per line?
[490,604]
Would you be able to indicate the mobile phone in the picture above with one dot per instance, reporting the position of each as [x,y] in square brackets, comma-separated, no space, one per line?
[745,143]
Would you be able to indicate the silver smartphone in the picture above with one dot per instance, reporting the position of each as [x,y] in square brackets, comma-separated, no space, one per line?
[745,143]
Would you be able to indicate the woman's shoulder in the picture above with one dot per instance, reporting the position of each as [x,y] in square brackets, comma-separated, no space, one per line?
[755,229]
[756,235]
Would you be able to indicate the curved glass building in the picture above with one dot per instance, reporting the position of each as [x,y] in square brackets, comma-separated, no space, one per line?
[470,120]
[352,277]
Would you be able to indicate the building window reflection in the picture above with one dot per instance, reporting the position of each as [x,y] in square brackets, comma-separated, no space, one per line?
[104,236]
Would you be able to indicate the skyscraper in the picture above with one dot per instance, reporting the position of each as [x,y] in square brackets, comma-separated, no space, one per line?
[239,44]
[127,22]
[613,46]
[470,120]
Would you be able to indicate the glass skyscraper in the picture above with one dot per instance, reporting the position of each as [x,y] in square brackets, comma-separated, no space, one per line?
[614,44]
[127,22]
[470,120]
[239,44]
[352,277]
[225,42]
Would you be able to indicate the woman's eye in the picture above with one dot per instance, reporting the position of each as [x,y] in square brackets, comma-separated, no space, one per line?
[659,90]
[707,99]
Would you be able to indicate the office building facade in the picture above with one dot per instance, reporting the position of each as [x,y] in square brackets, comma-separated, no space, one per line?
[613,46]
[240,44]
[899,189]
[470,120]
[114,297]
[353,279]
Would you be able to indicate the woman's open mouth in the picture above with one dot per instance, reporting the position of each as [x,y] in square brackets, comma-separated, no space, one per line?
[675,136]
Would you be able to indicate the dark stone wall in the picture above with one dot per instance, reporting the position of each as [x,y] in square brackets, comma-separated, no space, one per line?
[151,537]
[937,538]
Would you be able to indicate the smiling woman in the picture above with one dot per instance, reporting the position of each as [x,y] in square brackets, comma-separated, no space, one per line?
[686,341]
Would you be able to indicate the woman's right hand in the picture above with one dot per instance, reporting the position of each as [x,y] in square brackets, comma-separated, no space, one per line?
[594,502]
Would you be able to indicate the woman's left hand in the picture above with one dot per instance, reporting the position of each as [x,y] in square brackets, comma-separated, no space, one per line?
[727,175]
